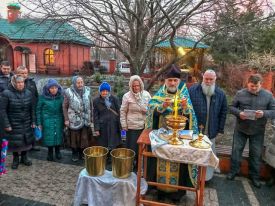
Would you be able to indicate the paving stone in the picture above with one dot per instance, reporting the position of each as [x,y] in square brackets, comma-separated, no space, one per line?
[53,183]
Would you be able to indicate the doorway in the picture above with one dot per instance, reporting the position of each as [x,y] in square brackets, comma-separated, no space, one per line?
[6,52]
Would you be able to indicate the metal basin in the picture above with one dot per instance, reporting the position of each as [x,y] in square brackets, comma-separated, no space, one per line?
[122,162]
[95,160]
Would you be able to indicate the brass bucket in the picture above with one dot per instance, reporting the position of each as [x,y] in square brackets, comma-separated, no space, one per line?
[95,160]
[122,162]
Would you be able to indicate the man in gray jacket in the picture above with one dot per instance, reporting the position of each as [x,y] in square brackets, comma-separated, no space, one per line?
[252,106]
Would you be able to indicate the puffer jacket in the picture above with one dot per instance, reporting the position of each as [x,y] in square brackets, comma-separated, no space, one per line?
[134,106]
[30,85]
[18,112]
[4,81]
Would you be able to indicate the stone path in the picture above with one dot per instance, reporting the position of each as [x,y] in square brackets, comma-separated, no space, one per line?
[53,183]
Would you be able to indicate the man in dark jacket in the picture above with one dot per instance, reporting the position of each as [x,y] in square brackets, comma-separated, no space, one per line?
[252,106]
[29,82]
[5,78]
[31,86]
[5,75]
[210,105]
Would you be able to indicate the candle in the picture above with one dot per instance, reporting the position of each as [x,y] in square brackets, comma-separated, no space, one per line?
[176,106]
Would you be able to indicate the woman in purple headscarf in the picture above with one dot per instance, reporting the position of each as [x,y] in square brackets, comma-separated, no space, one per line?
[49,115]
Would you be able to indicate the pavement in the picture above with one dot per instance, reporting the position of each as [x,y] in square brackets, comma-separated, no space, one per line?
[53,183]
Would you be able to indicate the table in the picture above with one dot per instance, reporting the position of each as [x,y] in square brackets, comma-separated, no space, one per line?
[144,152]
[107,190]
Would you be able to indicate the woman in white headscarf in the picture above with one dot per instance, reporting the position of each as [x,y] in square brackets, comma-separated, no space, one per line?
[133,111]
[78,116]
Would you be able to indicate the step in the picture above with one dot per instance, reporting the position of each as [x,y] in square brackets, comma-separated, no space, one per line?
[224,155]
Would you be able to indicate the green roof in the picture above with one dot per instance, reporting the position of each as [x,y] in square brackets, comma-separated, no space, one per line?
[14,5]
[42,31]
[182,42]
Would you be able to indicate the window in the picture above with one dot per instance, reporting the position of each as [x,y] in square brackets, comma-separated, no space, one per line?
[48,57]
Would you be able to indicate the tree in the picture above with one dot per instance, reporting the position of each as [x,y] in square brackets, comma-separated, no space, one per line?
[238,26]
[132,27]
[265,40]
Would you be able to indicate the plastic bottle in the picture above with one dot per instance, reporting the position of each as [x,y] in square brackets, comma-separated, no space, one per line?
[123,135]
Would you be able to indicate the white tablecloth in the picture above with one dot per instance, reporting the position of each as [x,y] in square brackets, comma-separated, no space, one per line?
[107,190]
[182,153]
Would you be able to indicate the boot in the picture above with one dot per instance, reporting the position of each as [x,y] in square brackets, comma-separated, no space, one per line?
[50,154]
[80,154]
[57,152]
[15,161]
[24,159]
[74,155]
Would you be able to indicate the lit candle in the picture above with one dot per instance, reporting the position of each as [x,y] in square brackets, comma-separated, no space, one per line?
[176,106]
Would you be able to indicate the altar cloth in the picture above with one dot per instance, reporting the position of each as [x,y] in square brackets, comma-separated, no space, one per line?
[182,153]
[107,190]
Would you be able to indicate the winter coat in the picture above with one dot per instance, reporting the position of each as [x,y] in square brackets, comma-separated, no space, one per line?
[245,100]
[78,109]
[217,110]
[50,115]
[30,85]
[18,112]
[4,82]
[270,149]
[134,106]
[106,122]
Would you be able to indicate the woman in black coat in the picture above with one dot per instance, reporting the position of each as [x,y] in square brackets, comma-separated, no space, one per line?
[106,118]
[18,111]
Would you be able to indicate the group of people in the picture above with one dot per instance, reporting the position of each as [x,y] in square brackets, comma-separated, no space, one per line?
[207,105]
[87,117]
[103,117]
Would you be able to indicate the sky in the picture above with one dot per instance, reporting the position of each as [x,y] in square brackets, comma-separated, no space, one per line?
[3,7]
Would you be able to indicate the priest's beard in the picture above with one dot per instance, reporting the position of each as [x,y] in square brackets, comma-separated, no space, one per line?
[208,90]
[172,90]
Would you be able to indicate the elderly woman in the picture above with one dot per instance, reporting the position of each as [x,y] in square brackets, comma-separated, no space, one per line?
[77,109]
[133,111]
[18,116]
[106,118]
[50,117]
[31,86]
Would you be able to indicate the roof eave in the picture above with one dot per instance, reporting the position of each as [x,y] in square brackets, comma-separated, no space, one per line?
[50,41]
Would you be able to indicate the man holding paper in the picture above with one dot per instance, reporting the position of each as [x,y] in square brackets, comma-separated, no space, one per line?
[252,106]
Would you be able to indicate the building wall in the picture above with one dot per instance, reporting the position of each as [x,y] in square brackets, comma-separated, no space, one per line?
[68,58]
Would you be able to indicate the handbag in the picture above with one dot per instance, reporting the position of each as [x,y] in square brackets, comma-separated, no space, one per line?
[37,133]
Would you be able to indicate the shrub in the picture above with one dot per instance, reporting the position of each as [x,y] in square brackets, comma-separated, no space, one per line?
[97,77]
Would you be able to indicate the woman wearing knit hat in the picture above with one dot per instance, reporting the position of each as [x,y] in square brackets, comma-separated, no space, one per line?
[106,118]
[50,117]
[78,115]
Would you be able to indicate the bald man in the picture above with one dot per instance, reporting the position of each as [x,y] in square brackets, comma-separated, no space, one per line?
[210,106]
